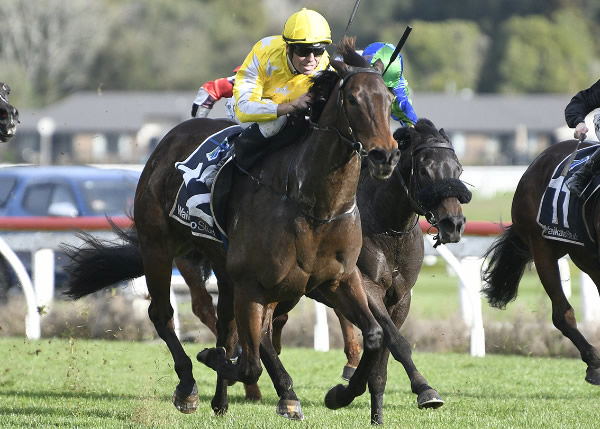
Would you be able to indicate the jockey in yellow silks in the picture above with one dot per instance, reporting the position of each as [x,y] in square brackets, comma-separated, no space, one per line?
[275,76]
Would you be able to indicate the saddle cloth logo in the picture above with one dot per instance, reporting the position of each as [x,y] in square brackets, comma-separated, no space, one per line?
[192,205]
[561,215]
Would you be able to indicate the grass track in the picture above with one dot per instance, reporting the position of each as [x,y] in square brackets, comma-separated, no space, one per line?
[100,384]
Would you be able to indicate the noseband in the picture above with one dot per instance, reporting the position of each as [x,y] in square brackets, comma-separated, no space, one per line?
[451,186]
[353,143]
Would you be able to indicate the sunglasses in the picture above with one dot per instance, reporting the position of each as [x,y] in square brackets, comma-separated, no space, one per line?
[305,51]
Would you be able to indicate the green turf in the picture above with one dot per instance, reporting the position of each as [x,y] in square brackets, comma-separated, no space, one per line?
[99,384]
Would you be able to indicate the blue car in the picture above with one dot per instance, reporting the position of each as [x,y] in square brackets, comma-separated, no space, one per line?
[65,191]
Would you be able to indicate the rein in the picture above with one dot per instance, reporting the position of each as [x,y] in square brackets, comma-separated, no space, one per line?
[355,145]
[285,197]
[410,191]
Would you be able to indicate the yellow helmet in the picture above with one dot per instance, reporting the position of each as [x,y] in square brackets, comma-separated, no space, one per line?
[307,26]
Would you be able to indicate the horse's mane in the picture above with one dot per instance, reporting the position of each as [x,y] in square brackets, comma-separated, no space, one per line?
[323,82]
[425,126]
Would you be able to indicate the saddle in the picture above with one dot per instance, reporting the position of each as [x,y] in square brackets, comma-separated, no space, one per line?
[202,205]
[564,217]
[192,206]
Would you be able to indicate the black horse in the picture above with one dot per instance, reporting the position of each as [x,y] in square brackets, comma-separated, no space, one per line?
[9,115]
[425,182]
[524,242]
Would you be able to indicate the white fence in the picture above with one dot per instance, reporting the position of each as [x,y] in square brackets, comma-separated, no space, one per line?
[464,259]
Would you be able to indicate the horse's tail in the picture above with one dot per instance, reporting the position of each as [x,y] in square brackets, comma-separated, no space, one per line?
[508,257]
[98,264]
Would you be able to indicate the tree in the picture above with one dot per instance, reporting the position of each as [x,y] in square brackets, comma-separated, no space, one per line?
[48,46]
[441,56]
[538,54]
[176,45]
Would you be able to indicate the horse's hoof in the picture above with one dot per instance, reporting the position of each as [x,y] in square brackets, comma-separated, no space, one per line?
[187,404]
[252,393]
[212,357]
[429,399]
[219,407]
[592,376]
[290,409]
[219,411]
[333,397]
[348,372]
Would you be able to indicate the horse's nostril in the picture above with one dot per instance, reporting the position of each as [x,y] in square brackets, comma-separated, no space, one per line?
[377,156]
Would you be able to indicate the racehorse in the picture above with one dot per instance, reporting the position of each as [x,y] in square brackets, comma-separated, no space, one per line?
[523,242]
[425,182]
[292,227]
[9,115]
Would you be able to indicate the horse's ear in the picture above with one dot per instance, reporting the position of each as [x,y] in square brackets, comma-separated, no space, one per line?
[443,133]
[378,65]
[340,67]
[402,137]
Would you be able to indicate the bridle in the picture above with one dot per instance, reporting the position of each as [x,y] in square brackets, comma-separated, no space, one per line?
[412,189]
[352,142]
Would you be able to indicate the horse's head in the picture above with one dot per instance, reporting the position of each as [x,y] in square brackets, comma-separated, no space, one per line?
[431,170]
[363,110]
[9,115]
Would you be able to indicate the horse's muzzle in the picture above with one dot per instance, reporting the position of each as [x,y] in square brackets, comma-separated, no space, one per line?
[451,228]
[382,162]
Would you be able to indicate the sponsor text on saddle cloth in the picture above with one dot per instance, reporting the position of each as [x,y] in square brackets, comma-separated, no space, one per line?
[192,206]
[564,217]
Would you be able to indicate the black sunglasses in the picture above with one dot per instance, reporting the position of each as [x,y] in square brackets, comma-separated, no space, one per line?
[305,51]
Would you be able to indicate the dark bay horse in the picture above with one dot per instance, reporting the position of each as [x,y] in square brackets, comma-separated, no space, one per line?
[522,242]
[293,227]
[426,182]
[9,115]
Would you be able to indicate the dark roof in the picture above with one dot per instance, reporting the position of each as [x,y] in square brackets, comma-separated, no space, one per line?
[493,112]
[127,112]
[109,111]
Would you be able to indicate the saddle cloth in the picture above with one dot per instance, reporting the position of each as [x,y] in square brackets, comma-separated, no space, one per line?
[192,206]
[563,217]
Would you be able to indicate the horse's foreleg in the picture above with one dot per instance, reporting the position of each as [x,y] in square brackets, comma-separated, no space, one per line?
[348,297]
[391,320]
[351,346]
[563,315]
[350,300]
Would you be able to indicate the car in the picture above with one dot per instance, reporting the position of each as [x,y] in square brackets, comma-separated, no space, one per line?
[66,191]
[63,191]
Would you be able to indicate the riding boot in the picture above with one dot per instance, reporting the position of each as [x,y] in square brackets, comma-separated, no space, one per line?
[581,178]
[249,146]
[210,177]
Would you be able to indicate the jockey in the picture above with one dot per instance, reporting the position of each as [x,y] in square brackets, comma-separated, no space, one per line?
[402,109]
[274,79]
[580,105]
[211,92]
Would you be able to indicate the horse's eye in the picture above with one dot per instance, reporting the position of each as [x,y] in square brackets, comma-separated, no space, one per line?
[353,100]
